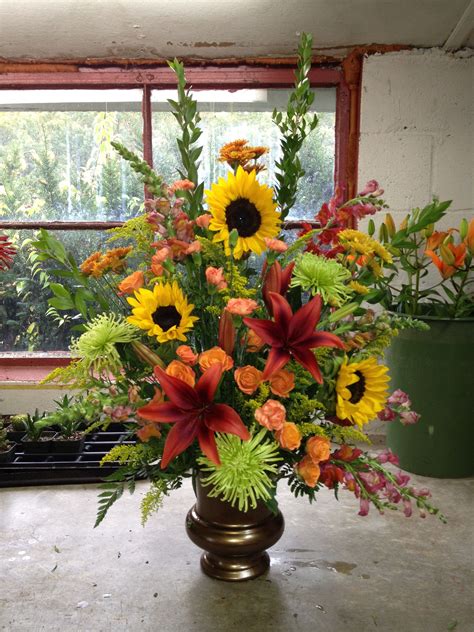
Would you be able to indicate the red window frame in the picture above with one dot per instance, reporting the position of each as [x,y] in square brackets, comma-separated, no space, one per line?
[200,77]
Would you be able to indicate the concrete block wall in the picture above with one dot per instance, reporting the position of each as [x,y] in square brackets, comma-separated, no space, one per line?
[417,129]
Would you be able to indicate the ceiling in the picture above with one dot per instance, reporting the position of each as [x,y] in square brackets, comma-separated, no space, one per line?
[72,29]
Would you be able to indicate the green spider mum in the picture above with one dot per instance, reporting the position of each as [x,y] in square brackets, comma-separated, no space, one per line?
[97,345]
[244,475]
[319,275]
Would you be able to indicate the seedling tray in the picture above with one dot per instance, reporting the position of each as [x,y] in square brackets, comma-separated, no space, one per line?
[64,469]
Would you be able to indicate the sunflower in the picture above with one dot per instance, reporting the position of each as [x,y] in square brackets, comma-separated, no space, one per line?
[361,389]
[242,203]
[164,312]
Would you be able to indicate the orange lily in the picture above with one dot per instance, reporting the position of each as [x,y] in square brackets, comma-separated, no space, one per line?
[448,269]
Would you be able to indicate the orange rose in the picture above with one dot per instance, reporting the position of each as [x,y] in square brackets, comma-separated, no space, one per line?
[248,378]
[214,355]
[289,436]
[272,415]
[254,342]
[131,283]
[309,471]
[187,355]
[241,306]
[318,449]
[282,382]
[182,371]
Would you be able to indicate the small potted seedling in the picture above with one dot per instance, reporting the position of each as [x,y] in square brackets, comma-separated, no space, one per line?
[16,428]
[37,440]
[68,419]
[7,448]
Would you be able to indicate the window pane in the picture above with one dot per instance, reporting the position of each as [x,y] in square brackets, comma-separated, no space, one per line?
[246,114]
[56,162]
[24,323]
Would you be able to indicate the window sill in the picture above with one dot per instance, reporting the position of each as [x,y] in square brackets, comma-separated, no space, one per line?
[29,367]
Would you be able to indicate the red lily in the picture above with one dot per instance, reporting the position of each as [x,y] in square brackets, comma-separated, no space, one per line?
[293,335]
[6,252]
[277,279]
[194,414]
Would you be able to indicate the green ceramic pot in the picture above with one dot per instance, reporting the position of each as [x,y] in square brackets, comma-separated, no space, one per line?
[436,369]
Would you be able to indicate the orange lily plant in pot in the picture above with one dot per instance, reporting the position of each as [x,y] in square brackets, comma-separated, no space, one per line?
[248,361]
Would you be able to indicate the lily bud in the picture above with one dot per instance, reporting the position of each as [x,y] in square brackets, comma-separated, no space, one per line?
[146,355]
[390,224]
[342,312]
[404,223]
[463,228]
[383,233]
[447,255]
[371,228]
[226,338]
[428,231]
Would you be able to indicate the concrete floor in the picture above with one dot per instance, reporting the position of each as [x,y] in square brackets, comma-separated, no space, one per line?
[332,570]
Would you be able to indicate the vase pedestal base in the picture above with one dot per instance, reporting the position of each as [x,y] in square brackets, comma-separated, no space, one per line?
[234,542]
[235,569]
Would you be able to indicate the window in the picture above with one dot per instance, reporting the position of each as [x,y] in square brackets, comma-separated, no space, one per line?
[57,169]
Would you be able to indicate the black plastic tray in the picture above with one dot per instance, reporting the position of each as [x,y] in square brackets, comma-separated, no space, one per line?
[63,469]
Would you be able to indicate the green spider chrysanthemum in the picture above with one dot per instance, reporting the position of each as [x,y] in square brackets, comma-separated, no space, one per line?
[96,347]
[319,275]
[243,477]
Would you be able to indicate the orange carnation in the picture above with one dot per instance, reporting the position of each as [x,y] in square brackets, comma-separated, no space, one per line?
[241,306]
[248,378]
[309,471]
[282,382]
[215,276]
[289,436]
[254,342]
[277,245]
[318,449]
[213,356]
[182,371]
[187,355]
[203,220]
[272,415]
[131,283]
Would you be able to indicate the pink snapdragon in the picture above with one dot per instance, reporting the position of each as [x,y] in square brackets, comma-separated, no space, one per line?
[409,417]
[371,188]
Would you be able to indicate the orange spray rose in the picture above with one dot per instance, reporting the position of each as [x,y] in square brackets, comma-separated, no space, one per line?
[289,436]
[182,371]
[282,382]
[214,356]
[248,379]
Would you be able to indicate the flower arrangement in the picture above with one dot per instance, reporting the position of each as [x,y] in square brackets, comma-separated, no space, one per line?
[247,359]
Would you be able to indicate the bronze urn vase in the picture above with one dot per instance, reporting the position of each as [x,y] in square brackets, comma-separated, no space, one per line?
[234,541]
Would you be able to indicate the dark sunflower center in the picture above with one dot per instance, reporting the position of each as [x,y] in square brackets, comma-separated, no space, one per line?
[242,215]
[357,389]
[166,317]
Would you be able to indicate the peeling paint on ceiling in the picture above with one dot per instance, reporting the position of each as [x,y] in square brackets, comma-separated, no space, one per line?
[71,29]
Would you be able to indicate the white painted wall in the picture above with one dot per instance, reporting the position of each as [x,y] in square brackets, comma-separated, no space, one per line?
[417,129]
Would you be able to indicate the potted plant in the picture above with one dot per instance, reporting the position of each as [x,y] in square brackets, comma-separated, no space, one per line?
[7,448]
[37,440]
[69,422]
[431,279]
[15,427]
